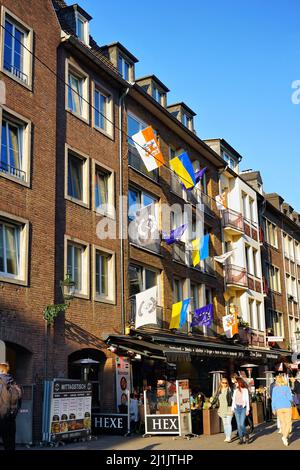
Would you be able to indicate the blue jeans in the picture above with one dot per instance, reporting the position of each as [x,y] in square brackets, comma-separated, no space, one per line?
[240,416]
[227,426]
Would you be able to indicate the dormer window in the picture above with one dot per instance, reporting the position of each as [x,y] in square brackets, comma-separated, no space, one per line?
[187,121]
[82,27]
[229,160]
[158,95]
[124,67]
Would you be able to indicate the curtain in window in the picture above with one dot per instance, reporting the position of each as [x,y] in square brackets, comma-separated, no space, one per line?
[77,267]
[14,146]
[1,249]
[75,177]
[12,250]
[75,94]
[101,189]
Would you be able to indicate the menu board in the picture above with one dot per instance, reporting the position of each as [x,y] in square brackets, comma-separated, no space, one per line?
[70,408]
[122,382]
[183,394]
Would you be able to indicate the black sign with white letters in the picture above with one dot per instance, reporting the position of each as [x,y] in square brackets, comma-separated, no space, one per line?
[109,423]
[164,424]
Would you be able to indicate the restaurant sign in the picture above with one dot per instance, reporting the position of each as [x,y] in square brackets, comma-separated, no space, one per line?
[109,423]
[208,351]
[162,424]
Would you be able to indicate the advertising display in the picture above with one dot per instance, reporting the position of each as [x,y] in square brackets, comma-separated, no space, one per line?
[66,409]
[122,383]
[184,406]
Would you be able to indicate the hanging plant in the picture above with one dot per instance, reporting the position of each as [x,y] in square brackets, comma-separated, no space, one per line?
[52,311]
[243,324]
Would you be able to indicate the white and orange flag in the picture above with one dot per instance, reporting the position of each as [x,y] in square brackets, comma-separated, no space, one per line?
[221,201]
[230,325]
[148,148]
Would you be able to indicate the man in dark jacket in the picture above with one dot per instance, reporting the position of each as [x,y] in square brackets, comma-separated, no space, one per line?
[7,418]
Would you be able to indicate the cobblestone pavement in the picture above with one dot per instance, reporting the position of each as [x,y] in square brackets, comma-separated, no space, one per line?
[264,437]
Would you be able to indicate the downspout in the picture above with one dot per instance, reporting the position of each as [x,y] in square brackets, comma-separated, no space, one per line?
[121,209]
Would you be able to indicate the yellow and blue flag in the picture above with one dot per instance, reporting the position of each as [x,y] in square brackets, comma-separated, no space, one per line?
[183,168]
[179,314]
[200,249]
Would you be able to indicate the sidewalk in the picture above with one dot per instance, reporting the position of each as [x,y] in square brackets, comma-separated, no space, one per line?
[265,437]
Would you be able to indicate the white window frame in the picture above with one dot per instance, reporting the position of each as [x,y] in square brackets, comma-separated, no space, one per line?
[158,95]
[85,22]
[124,60]
[77,72]
[22,277]
[84,293]
[111,297]
[28,43]
[85,202]
[109,115]
[6,113]
[158,273]
[271,313]
[271,233]
[96,166]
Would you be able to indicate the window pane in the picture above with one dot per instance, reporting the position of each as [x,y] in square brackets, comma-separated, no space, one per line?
[18,50]
[8,46]
[104,275]
[75,177]
[70,260]
[4,153]
[126,70]
[77,267]
[148,200]
[120,64]
[135,279]
[133,200]
[14,146]
[133,127]
[75,94]
[101,188]
[150,279]
[12,248]
[1,249]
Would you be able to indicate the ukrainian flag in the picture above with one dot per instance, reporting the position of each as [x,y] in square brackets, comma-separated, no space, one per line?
[196,251]
[183,168]
[179,314]
[200,249]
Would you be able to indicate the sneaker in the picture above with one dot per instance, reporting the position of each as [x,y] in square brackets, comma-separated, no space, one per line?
[285,441]
[227,439]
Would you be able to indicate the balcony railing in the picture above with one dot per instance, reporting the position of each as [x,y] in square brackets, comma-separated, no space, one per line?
[176,186]
[15,71]
[254,283]
[236,275]
[10,170]
[252,337]
[135,161]
[207,202]
[251,230]
[209,266]
[159,316]
[233,220]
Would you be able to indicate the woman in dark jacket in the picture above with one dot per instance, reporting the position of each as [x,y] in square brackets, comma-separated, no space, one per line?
[223,400]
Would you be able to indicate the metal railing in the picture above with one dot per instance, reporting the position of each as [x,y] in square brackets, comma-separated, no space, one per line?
[135,161]
[10,170]
[236,275]
[251,230]
[233,219]
[178,250]
[176,186]
[15,71]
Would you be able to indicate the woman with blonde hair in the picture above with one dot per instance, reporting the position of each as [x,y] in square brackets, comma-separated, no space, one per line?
[282,405]
[223,400]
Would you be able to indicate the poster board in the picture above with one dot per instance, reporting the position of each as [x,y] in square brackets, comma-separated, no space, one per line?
[66,409]
[122,383]
[184,407]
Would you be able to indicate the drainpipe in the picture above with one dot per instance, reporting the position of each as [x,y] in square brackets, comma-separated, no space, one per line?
[121,209]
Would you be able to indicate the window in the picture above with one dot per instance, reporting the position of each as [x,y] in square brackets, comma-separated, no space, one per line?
[77,92]
[138,199]
[104,191]
[13,249]
[271,233]
[255,266]
[297,253]
[208,296]
[247,256]
[124,67]
[17,44]
[274,278]
[251,306]
[245,206]
[177,290]
[187,121]
[103,110]
[141,278]
[82,28]
[77,183]
[77,266]
[275,322]
[158,95]
[291,248]
[195,293]
[15,147]
[252,210]
[260,323]
[229,160]
[104,275]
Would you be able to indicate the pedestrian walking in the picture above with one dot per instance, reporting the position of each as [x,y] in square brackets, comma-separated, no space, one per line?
[223,401]
[282,406]
[134,413]
[10,403]
[241,407]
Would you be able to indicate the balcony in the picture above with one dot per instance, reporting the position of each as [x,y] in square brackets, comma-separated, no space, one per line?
[209,266]
[252,337]
[254,283]
[233,222]
[176,186]
[136,162]
[207,203]
[236,277]
[251,230]
[12,171]
[159,316]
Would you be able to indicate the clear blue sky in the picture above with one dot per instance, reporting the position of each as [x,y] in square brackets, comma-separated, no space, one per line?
[231,61]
